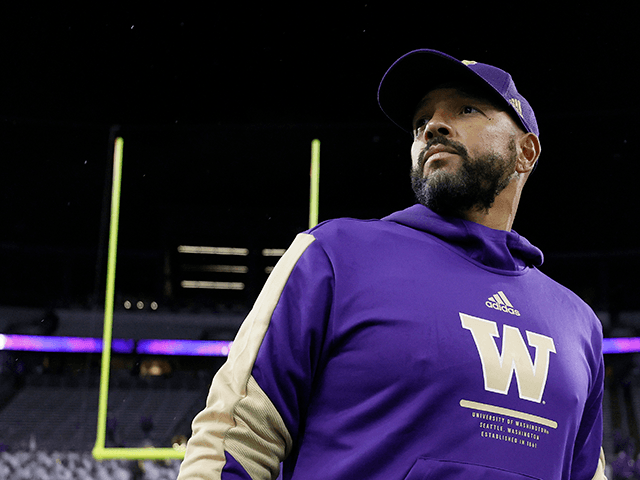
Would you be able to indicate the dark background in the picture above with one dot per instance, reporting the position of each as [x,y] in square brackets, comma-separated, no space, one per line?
[218,105]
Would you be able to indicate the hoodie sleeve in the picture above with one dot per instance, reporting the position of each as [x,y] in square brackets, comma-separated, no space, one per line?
[251,416]
[588,455]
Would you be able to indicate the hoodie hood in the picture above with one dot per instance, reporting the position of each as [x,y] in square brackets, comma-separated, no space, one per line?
[492,248]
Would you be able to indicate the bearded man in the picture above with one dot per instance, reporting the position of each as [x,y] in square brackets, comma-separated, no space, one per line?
[427,344]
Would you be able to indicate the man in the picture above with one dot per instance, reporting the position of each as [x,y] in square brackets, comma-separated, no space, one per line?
[426,344]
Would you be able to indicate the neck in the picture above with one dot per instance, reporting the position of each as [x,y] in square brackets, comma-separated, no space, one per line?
[502,213]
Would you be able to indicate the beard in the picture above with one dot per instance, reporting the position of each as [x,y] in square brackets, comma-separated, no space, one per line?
[474,186]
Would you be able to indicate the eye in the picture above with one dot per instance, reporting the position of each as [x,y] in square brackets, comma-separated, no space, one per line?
[420,123]
[467,109]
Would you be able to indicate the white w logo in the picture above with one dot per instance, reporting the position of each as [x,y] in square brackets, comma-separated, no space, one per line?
[498,368]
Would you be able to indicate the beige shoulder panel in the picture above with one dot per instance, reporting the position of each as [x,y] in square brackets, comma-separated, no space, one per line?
[599,475]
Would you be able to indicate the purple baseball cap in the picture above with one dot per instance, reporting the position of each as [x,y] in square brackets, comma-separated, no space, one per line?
[413,75]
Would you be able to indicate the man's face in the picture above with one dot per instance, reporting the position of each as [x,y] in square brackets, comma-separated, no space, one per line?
[463,153]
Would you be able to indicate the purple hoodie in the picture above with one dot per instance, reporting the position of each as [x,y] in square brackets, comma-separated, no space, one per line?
[412,347]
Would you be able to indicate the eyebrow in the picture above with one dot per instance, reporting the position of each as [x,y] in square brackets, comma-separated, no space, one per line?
[471,93]
[468,94]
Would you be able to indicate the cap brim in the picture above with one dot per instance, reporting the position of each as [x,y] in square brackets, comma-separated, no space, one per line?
[414,75]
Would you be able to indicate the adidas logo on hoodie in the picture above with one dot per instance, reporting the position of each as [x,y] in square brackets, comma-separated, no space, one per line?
[499,301]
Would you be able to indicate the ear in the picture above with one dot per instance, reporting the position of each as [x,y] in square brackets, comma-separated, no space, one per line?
[528,152]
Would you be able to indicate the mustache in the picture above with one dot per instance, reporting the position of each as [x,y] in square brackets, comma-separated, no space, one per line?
[440,140]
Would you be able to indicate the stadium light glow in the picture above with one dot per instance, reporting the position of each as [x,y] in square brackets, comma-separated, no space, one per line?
[217,268]
[241,252]
[202,348]
[273,252]
[214,348]
[40,343]
[621,345]
[212,285]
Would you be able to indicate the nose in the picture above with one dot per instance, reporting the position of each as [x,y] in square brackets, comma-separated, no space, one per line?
[438,126]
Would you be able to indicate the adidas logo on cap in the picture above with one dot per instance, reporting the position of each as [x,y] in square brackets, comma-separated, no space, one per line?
[499,301]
